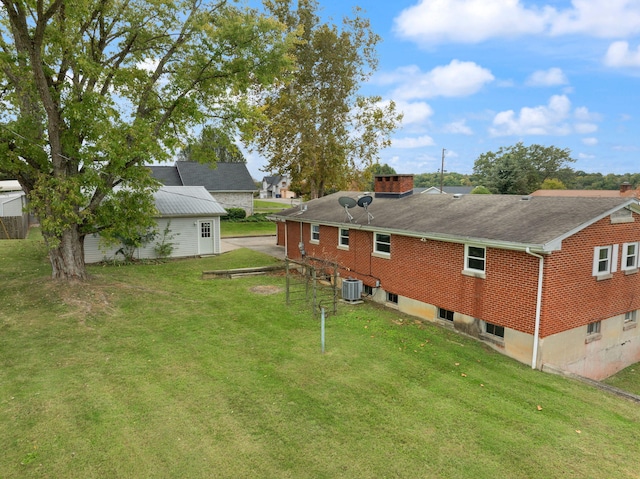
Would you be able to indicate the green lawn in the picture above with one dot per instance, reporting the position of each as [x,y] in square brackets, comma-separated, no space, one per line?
[150,371]
[236,228]
[266,206]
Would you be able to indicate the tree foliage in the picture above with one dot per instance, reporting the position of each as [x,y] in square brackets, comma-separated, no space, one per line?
[93,90]
[520,169]
[212,145]
[321,132]
[427,180]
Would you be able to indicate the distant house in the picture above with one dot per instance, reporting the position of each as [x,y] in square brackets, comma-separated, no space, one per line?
[193,216]
[626,191]
[276,187]
[229,183]
[544,280]
[447,190]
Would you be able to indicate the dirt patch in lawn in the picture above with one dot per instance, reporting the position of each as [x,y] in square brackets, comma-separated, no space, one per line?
[266,289]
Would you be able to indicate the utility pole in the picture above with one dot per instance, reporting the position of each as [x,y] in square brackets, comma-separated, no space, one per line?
[442,172]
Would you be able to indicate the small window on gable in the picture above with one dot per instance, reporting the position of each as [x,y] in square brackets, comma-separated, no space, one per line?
[315,233]
[605,259]
[474,258]
[629,256]
[382,243]
[343,237]
[445,314]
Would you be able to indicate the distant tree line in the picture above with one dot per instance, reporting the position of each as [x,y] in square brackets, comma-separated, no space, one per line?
[521,169]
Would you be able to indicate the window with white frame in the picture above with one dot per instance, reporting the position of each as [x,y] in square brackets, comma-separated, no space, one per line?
[630,317]
[382,243]
[315,233]
[343,237]
[629,256]
[593,328]
[474,258]
[605,259]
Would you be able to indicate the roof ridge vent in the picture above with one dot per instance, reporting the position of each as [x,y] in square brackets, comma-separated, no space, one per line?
[526,198]
[457,196]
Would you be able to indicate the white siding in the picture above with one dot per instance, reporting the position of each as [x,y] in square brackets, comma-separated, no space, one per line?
[11,206]
[185,241]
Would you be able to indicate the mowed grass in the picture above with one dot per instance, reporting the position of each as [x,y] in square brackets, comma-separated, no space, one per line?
[230,229]
[150,371]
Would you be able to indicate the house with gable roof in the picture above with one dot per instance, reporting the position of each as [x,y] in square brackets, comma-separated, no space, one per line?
[230,184]
[545,280]
[276,186]
[192,217]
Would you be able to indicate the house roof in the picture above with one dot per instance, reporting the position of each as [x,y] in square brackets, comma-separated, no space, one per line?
[448,190]
[223,177]
[509,221]
[587,193]
[10,185]
[167,175]
[186,201]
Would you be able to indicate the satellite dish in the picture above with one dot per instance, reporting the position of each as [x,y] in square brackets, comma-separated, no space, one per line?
[365,201]
[347,202]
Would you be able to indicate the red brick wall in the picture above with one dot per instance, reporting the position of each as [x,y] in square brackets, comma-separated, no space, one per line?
[431,272]
[572,296]
[393,183]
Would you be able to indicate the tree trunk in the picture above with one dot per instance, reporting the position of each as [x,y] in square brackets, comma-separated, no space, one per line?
[67,259]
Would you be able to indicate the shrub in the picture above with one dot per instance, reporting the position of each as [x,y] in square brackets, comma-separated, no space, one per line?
[235,214]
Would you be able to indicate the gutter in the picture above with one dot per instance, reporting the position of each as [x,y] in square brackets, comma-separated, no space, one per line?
[536,333]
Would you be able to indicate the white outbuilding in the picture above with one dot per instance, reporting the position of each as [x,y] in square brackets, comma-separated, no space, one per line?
[193,216]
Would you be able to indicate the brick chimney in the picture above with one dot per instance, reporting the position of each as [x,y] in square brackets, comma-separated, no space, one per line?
[393,186]
[624,187]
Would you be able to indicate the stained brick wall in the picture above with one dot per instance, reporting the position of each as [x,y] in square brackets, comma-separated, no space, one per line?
[431,272]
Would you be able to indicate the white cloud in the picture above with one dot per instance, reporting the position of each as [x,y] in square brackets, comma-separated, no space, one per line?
[459,127]
[590,141]
[453,80]
[550,77]
[472,21]
[584,156]
[148,64]
[414,112]
[468,21]
[555,118]
[417,142]
[619,55]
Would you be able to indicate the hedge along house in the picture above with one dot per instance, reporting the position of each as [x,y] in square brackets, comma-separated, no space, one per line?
[543,280]
[193,217]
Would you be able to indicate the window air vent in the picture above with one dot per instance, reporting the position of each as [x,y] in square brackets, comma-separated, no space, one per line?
[351,289]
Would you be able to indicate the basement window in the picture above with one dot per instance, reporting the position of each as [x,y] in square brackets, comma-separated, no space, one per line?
[593,332]
[494,330]
[630,320]
[445,314]
[392,298]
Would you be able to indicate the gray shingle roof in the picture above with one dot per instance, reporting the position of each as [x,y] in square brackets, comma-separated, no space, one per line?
[223,177]
[539,222]
[167,175]
[186,201]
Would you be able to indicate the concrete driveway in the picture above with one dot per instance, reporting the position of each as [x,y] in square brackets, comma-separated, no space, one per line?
[264,244]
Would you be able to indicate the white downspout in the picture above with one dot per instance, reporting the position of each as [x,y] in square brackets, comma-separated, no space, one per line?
[536,333]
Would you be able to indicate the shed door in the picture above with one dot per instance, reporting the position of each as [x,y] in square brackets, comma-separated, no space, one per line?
[205,237]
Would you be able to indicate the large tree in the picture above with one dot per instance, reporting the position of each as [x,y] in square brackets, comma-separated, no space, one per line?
[520,169]
[213,144]
[321,132]
[92,90]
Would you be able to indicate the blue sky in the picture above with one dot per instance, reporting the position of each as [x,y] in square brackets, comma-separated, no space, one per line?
[474,75]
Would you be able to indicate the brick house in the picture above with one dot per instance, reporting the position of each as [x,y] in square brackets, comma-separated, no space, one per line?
[544,280]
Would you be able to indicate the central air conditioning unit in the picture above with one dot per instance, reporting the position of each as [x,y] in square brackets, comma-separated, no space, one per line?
[351,289]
